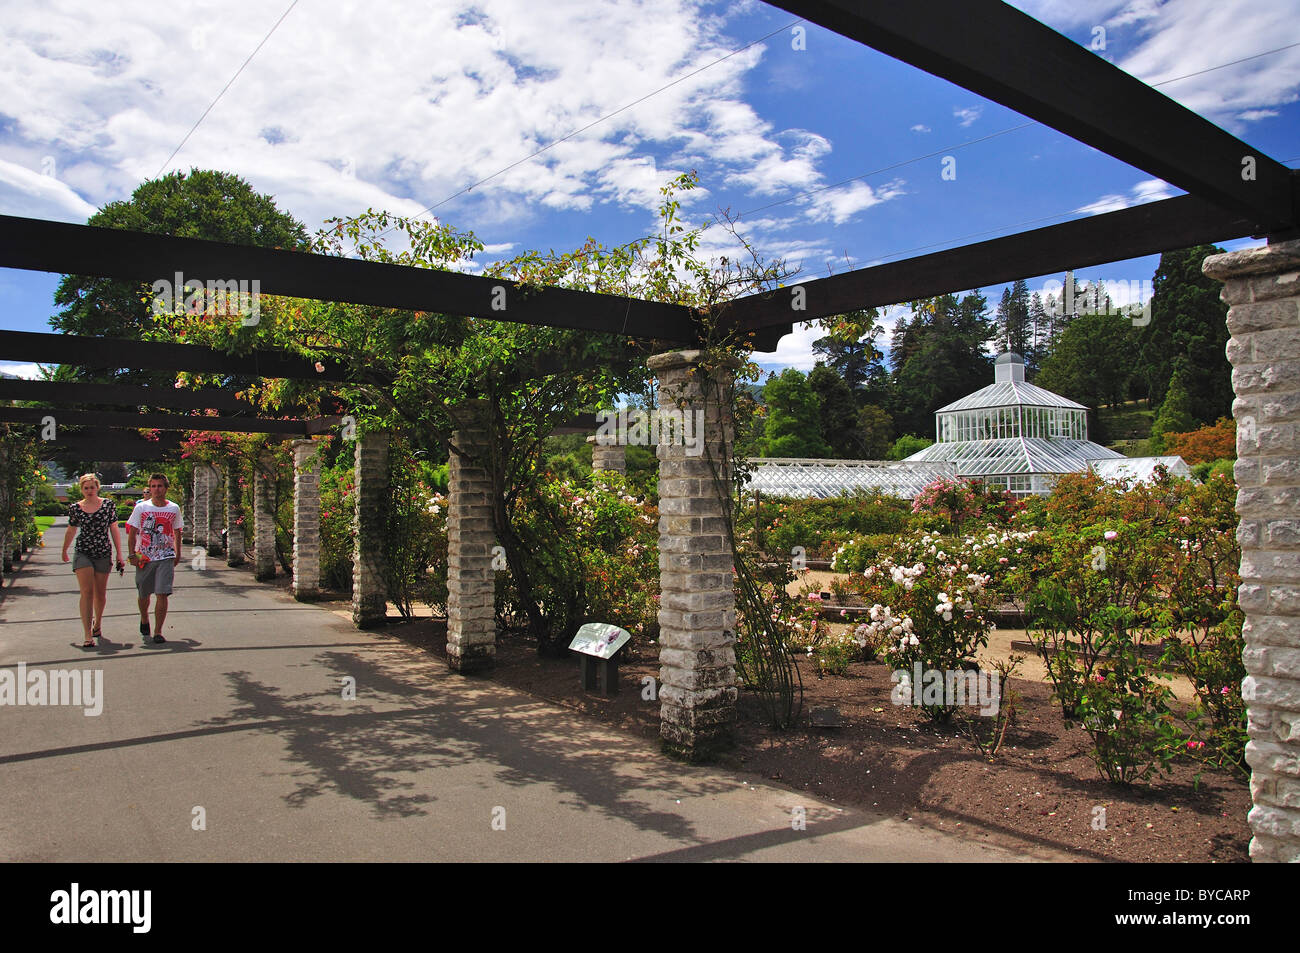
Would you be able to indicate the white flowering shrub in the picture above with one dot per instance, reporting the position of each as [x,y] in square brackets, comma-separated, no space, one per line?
[927,605]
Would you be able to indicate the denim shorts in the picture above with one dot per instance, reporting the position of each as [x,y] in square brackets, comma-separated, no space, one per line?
[103,565]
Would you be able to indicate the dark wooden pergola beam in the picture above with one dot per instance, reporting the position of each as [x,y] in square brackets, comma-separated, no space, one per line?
[1002,54]
[125,395]
[38,245]
[1114,236]
[85,351]
[129,421]
[121,447]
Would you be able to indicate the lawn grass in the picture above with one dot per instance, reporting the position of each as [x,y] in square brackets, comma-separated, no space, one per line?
[44,522]
[1129,421]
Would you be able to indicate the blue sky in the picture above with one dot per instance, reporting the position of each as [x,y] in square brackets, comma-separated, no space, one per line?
[402,106]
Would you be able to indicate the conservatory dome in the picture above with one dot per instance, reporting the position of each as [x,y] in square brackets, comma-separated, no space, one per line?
[1012,434]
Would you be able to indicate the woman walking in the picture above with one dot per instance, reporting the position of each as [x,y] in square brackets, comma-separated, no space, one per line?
[97,519]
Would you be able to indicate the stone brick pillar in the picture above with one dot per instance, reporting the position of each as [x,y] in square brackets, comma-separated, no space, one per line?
[306,521]
[216,510]
[608,456]
[202,504]
[471,601]
[234,515]
[187,514]
[264,517]
[6,533]
[1262,287]
[369,592]
[697,614]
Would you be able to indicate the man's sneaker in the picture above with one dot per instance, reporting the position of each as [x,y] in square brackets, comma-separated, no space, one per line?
[158,638]
[144,633]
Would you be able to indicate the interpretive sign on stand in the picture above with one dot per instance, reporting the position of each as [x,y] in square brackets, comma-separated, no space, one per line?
[598,645]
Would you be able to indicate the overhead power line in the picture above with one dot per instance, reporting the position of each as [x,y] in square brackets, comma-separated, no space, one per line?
[293,4]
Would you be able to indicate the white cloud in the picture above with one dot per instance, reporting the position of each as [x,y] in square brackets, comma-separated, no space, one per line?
[416,107]
[920,127]
[840,204]
[1134,12]
[967,115]
[1194,37]
[1158,41]
[1254,115]
[793,350]
[1066,14]
[1148,190]
[27,192]
[31,372]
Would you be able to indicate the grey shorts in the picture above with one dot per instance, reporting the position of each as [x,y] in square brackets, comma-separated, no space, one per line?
[155,578]
[102,566]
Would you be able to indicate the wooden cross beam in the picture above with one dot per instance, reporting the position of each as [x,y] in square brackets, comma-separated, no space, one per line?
[129,421]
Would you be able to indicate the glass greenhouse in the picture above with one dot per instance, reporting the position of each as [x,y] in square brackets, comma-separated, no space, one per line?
[1013,434]
[1139,469]
[795,477]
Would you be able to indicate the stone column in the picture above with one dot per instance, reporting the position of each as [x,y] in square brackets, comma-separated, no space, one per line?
[234,514]
[187,514]
[202,504]
[216,510]
[611,456]
[471,599]
[306,521]
[369,592]
[264,517]
[6,527]
[697,614]
[1262,287]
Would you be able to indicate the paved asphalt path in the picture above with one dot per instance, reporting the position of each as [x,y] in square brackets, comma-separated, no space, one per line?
[240,718]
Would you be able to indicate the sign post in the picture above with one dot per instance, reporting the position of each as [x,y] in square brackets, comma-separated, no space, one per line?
[598,645]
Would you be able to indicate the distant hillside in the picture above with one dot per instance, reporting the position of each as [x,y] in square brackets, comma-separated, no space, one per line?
[1129,428]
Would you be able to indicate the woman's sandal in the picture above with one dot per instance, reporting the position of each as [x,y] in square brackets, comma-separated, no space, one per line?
[87,645]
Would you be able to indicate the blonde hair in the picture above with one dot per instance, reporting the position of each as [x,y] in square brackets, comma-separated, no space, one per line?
[88,476]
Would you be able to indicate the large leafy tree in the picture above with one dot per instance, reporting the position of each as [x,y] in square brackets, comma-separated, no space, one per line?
[217,206]
[793,427]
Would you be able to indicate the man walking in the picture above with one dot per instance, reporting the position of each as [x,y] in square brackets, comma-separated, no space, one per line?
[156,524]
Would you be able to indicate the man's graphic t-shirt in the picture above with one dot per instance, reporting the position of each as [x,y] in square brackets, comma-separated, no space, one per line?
[156,526]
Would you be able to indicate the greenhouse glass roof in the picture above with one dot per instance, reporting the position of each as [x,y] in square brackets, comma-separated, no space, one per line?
[1010,394]
[1010,455]
[1012,428]
[802,478]
[1139,469]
